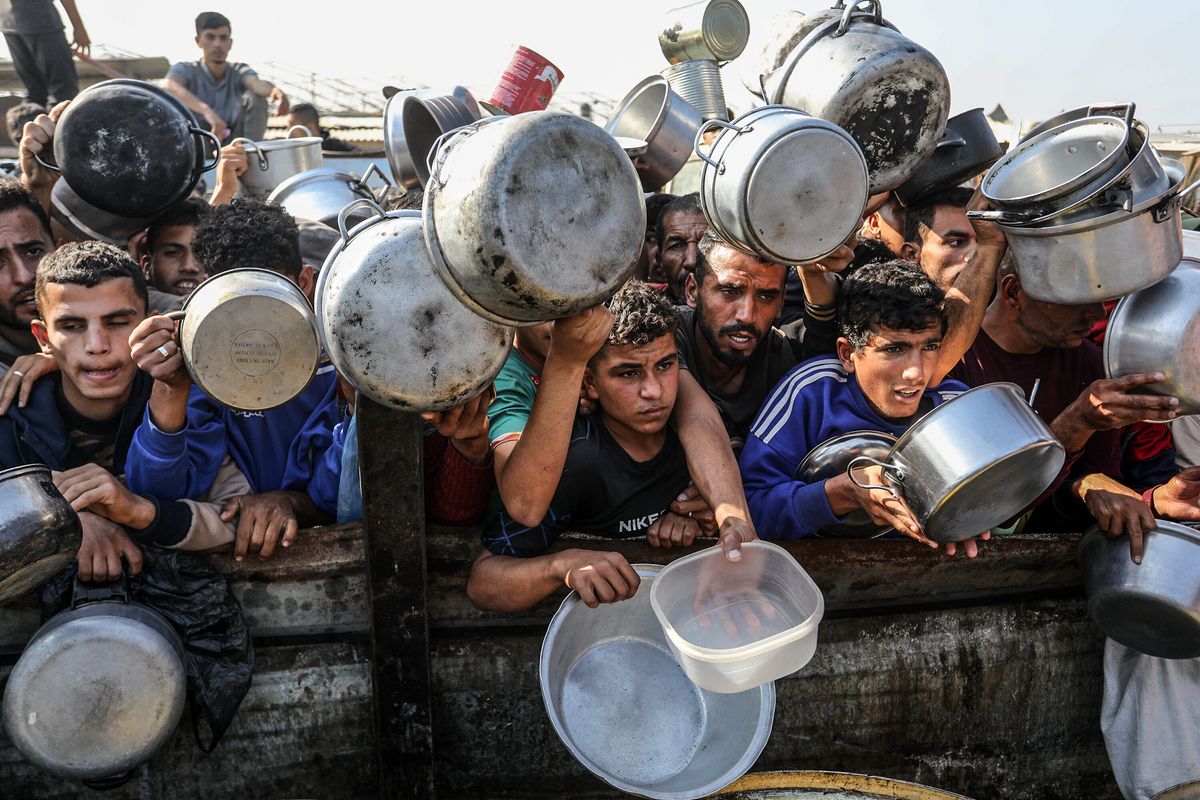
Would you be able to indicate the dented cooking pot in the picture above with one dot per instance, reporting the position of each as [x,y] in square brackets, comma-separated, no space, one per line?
[39,531]
[392,327]
[857,71]
[533,217]
[270,163]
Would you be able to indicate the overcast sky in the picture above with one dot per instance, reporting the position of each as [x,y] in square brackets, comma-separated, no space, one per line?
[1036,57]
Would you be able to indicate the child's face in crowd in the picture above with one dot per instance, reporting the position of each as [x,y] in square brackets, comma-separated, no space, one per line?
[894,368]
[172,268]
[636,386]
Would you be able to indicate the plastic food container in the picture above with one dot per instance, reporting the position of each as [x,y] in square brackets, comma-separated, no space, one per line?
[735,626]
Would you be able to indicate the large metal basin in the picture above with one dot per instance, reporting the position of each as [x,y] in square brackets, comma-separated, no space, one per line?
[624,708]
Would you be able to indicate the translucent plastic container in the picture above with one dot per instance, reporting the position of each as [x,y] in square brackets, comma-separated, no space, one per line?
[735,626]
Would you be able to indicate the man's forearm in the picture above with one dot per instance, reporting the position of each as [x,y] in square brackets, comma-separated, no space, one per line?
[72,14]
[168,407]
[710,459]
[509,584]
[1070,430]
[260,87]
[181,93]
[966,302]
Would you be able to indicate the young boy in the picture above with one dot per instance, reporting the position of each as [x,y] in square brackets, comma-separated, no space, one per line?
[171,269]
[892,319]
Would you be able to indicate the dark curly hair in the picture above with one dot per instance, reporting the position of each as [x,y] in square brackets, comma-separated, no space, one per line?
[641,314]
[893,294]
[187,212]
[248,233]
[87,264]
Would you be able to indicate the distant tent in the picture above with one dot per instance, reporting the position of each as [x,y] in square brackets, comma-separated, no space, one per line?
[997,115]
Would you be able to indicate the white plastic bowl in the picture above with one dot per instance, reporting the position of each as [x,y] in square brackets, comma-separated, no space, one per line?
[735,626]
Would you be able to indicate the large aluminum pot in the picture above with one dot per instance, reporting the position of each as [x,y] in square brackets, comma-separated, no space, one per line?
[885,90]
[1157,329]
[533,217]
[819,785]
[270,163]
[654,113]
[84,221]
[321,194]
[1152,607]
[972,463]
[39,531]
[830,459]
[390,325]
[782,184]
[426,117]
[622,705]
[712,30]
[98,689]
[249,339]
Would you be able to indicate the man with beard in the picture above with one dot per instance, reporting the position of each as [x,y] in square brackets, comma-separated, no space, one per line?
[24,239]
[680,228]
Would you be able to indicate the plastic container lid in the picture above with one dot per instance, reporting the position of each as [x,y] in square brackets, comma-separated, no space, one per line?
[735,626]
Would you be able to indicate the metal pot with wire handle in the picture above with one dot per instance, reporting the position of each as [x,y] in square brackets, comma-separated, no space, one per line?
[274,161]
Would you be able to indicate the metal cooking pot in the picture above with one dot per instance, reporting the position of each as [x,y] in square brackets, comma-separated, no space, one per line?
[39,531]
[1152,607]
[392,328]
[1157,329]
[972,463]
[426,117]
[533,217]
[130,148]
[1070,116]
[654,113]
[863,75]
[274,161]
[249,339]
[84,221]
[98,689]
[1183,791]
[715,30]
[789,28]
[830,459]
[320,194]
[967,148]
[404,170]
[782,184]
[622,705]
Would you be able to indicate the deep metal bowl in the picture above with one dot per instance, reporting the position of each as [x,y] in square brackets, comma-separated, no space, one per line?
[1152,607]
[654,113]
[39,531]
[624,708]
[829,459]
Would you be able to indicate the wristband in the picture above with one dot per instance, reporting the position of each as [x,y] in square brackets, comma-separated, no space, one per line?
[1148,496]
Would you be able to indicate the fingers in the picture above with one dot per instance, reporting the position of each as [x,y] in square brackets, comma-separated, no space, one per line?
[133,555]
[289,532]
[258,533]
[245,528]
[583,587]
[112,564]
[652,538]
[1137,546]
[632,579]
[58,110]
[1135,379]
[83,559]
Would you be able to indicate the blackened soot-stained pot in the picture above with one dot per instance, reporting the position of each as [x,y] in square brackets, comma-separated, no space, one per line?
[39,531]
[130,148]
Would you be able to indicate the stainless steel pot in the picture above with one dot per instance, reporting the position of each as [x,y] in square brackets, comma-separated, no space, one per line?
[656,114]
[84,221]
[98,689]
[426,117]
[863,75]
[1152,607]
[395,145]
[782,184]
[533,217]
[39,531]
[830,459]
[249,339]
[320,194]
[390,325]
[1157,329]
[622,705]
[715,30]
[972,463]
[272,162]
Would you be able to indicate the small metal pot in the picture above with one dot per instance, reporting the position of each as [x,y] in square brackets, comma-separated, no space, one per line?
[533,217]
[249,339]
[390,325]
[426,117]
[715,30]
[830,459]
[885,90]
[395,145]
[967,148]
[782,184]
[972,463]
[39,531]
[656,114]
[1152,607]
[321,194]
[274,161]
[1157,329]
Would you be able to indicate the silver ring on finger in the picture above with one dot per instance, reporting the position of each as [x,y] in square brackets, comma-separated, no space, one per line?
[18,373]
[690,514]
[164,352]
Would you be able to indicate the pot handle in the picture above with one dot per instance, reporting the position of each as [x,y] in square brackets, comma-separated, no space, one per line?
[373,169]
[1104,109]
[251,146]
[353,204]
[436,149]
[859,461]
[216,152]
[304,128]
[705,128]
[38,158]
[851,10]
[1003,217]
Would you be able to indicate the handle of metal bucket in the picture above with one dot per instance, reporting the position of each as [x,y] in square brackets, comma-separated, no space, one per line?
[788,67]
[251,146]
[373,169]
[38,158]
[353,204]
[304,128]
[436,150]
[859,461]
[704,128]
[852,10]
[216,152]
[1103,109]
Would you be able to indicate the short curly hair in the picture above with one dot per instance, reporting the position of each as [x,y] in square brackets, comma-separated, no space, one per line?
[248,233]
[641,314]
[893,294]
[87,264]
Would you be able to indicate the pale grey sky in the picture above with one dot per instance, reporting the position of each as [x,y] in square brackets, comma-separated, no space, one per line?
[1034,56]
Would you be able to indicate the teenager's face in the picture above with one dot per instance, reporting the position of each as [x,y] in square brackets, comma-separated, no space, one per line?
[946,248]
[172,268]
[87,330]
[737,303]
[894,368]
[23,242]
[636,386]
[216,43]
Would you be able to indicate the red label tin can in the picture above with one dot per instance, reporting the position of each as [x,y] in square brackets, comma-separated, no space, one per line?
[526,85]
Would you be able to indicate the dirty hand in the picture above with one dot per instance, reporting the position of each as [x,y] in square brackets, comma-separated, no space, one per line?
[690,504]
[672,530]
[1117,509]
[970,546]
[597,577]
[104,543]
[93,488]
[466,426]
[263,520]
[81,41]
[885,508]
[734,532]
[1110,402]
[37,139]
[153,337]
[232,163]
[577,338]
[18,382]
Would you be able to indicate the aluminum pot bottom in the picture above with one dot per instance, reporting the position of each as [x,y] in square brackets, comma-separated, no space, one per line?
[1146,622]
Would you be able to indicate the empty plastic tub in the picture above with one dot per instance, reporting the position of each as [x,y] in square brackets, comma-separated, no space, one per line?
[735,626]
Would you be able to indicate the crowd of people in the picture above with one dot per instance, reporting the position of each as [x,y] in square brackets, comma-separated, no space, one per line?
[680,408]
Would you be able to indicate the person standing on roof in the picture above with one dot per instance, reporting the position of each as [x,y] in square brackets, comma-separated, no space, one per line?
[39,49]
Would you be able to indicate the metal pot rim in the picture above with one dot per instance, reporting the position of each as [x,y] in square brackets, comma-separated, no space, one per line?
[1100,221]
[919,425]
[636,92]
[321,174]
[1163,526]
[16,472]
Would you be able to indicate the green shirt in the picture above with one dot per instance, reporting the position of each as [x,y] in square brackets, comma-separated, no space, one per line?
[516,388]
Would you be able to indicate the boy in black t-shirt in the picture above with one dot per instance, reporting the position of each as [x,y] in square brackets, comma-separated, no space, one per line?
[624,467]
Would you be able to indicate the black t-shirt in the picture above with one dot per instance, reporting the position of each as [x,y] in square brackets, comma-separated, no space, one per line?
[29,16]
[602,491]
[92,442]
